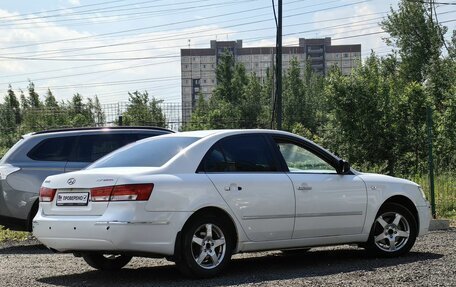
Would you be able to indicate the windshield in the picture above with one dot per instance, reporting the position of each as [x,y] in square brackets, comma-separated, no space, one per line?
[152,152]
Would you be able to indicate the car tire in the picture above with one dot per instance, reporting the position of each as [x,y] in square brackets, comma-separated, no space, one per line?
[295,252]
[107,262]
[393,232]
[206,247]
[33,212]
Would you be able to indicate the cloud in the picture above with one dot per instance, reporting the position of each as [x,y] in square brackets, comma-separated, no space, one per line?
[361,31]
[74,2]
[147,44]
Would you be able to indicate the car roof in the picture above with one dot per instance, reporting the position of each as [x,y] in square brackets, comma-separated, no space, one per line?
[95,129]
[206,133]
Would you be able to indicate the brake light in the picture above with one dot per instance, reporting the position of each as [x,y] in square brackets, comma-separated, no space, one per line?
[129,192]
[47,194]
[138,192]
[101,193]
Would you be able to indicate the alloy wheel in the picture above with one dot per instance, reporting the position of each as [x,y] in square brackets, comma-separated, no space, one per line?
[208,246]
[392,231]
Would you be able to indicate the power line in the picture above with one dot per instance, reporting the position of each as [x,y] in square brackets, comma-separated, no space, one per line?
[169,24]
[162,12]
[142,58]
[61,9]
[90,73]
[116,62]
[126,16]
[50,52]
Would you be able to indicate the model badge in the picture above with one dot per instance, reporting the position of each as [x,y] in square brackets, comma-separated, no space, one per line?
[71,181]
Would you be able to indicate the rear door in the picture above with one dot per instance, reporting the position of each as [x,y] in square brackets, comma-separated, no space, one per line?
[246,174]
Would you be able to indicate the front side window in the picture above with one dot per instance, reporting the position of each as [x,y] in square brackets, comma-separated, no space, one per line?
[299,159]
[245,153]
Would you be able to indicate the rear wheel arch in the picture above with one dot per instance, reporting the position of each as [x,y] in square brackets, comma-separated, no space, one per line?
[208,211]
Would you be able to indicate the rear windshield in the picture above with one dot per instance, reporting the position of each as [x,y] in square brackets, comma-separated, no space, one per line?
[152,152]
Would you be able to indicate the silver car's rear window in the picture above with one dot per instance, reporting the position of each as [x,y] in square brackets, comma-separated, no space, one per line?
[153,152]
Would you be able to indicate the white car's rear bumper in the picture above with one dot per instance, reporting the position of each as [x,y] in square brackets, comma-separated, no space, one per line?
[148,232]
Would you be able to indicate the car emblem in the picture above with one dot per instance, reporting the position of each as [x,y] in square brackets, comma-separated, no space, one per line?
[71,181]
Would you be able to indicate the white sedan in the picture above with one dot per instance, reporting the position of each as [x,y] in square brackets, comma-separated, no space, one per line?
[198,197]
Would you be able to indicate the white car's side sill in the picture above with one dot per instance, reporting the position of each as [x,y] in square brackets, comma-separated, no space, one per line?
[156,222]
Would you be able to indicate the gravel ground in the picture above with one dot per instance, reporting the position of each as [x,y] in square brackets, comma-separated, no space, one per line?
[432,262]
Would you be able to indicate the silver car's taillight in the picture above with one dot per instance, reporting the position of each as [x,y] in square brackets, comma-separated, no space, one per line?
[7,169]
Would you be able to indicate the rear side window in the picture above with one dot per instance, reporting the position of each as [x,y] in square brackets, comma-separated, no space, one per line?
[152,152]
[245,153]
[92,147]
[54,149]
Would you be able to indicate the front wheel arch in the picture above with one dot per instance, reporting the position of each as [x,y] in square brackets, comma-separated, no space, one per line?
[405,202]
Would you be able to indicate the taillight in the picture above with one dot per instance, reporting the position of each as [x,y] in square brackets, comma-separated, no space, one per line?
[129,192]
[101,193]
[47,194]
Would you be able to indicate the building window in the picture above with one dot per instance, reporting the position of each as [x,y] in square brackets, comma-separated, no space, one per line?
[213,81]
[204,66]
[345,55]
[204,81]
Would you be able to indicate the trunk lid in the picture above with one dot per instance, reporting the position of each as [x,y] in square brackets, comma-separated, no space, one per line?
[73,190]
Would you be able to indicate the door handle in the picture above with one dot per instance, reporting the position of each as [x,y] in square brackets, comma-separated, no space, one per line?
[304,187]
[232,187]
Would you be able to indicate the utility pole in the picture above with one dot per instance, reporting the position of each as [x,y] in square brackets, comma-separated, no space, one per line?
[279,67]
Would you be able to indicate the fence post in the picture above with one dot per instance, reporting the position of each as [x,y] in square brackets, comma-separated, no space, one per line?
[431,160]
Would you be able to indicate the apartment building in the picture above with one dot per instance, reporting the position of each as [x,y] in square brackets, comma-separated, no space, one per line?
[198,65]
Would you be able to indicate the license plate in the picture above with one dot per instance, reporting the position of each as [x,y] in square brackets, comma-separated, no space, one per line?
[72,198]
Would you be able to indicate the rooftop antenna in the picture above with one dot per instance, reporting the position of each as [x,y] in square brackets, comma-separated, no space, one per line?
[189,43]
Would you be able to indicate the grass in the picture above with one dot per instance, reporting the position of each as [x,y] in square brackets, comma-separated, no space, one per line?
[8,235]
[444,190]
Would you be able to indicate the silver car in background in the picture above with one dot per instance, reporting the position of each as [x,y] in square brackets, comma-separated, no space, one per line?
[41,154]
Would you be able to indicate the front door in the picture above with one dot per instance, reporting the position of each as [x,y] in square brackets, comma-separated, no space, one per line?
[327,203]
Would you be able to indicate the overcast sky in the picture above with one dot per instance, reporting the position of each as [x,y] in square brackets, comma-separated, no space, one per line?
[108,48]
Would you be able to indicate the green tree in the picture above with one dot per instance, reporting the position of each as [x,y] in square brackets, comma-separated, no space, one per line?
[414,31]
[143,111]
[251,109]
[199,119]
[10,118]
[98,113]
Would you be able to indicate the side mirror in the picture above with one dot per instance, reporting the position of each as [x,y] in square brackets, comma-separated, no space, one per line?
[343,167]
